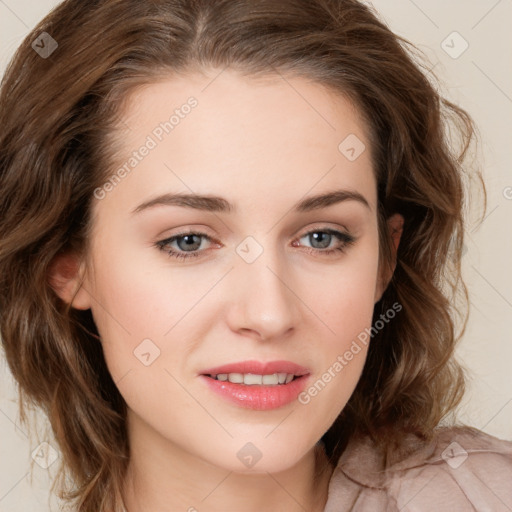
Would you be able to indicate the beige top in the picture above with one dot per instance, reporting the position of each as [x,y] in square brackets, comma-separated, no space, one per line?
[462,469]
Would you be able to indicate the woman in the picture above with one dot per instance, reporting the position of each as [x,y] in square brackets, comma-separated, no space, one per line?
[236,229]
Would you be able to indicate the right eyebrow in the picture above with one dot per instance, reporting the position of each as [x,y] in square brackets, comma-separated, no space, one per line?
[207,202]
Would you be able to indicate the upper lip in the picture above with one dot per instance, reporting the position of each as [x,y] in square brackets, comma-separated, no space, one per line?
[258,368]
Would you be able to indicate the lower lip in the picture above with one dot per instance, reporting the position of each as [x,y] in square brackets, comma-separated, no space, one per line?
[258,397]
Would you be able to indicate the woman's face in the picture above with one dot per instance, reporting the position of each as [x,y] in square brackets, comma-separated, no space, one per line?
[271,275]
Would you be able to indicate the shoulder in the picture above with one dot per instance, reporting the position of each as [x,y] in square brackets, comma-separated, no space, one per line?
[461,468]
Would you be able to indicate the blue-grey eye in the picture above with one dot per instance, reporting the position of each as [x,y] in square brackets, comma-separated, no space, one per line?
[322,237]
[190,242]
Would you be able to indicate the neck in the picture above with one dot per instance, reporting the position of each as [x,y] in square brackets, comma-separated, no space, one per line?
[162,477]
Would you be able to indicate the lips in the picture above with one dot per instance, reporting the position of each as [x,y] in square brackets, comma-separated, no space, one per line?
[255,395]
[258,368]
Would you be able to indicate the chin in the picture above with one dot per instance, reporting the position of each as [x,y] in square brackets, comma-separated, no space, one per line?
[260,457]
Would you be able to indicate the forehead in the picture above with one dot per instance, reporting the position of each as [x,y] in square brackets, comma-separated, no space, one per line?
[272,137]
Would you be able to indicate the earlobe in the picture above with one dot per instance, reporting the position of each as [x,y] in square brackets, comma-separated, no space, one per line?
[395,228]
[65,277]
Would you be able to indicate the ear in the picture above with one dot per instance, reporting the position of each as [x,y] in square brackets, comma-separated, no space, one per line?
[395,227]
[65,277]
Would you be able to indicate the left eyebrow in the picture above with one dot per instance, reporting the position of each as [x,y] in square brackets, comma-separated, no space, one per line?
[330,198]
[219,204]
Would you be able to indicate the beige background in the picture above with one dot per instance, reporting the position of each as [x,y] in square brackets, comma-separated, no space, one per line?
[480,79]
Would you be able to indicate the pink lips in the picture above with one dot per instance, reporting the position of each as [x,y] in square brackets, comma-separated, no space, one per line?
[258,397]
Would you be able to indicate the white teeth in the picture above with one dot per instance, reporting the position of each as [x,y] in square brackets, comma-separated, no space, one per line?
[270,380]
[251,379]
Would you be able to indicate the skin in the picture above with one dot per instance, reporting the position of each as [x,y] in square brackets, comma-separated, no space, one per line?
[263,146]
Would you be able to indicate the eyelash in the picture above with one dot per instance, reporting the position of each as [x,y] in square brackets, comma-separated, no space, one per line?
[345,239]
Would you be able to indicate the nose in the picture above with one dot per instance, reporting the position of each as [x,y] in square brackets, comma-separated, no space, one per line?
[262,299]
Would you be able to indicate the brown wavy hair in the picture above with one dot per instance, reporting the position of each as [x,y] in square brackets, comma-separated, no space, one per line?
[57,123]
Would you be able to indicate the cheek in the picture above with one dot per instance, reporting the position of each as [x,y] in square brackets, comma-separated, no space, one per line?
[344,302]
[348,302]
[344,296]
[138,296]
